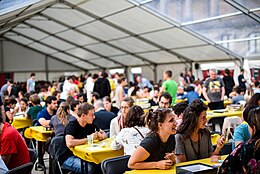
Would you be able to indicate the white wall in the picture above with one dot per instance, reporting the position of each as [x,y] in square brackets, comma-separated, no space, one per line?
[22,61]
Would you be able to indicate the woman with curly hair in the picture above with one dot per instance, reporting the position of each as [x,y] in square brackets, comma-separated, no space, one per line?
[156,151]
[193,139]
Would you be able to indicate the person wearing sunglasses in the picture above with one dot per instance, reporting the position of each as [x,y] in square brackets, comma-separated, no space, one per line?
[156,151]
[245,158]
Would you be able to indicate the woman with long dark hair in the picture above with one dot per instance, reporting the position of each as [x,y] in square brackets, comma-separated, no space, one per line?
[193,139]
[157,148]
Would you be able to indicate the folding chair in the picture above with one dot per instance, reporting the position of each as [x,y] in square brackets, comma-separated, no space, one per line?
[23,169]
[117,165]
[55,151]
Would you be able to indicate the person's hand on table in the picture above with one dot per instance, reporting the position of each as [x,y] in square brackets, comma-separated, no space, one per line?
[99,135]
[164,164]
[170,156]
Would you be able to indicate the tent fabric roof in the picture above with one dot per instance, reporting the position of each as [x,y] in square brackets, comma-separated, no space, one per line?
[94,34]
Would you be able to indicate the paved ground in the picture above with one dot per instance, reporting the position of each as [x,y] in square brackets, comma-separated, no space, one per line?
[46,162]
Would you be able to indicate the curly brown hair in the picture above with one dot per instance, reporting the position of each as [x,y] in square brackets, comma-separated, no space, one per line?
[135,117]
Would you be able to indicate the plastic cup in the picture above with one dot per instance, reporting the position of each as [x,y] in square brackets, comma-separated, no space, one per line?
[90,140]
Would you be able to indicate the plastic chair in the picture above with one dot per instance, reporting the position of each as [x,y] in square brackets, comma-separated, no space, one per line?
[230,124]
[33,155]
[117,165]
[23,169]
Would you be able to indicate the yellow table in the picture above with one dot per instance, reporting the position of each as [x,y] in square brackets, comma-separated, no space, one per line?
[214,139]
[173,169]
[96,153]
[180,100]
[226,102]
[39,133]
[21,122]
[212,114]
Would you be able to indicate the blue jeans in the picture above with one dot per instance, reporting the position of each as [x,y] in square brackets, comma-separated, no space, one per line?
[73,163]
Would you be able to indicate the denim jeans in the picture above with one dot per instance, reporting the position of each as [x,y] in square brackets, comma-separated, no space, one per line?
[73,163]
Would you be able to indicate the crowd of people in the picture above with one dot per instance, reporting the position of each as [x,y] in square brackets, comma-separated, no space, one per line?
[102,107]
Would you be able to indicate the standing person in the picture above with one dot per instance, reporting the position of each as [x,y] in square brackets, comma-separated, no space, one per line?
[31,83]
[102,86]
[156,151]
[90,85]
[120,93]
[228,81]
[193,139]
[67,89]
[13,149]
[214,91]
[76,133]
[169,85]
[4,88]
[242,80]
[142,82]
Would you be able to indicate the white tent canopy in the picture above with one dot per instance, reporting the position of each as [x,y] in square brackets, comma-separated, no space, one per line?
[98,34]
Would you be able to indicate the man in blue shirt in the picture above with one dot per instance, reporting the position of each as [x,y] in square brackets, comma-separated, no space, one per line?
[45,115]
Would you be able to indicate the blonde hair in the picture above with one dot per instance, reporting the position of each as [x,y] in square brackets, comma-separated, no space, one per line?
[63,113]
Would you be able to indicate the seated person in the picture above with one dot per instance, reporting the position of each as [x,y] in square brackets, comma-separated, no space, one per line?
[241,133]
[9,104]
[129,138]
[102,116]
[156,151]
[75,134]
[108,105]
[44,116]
[193,139]
[155,100]
[165,100]
[35,108]
[3,168]
[190,95]
[180,92]
[13,149]
[23,106]
[238,96]
[245,158]
[118,122]
[59,121]
[178,111]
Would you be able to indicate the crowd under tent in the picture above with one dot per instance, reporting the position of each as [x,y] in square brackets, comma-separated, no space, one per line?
[51,37]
